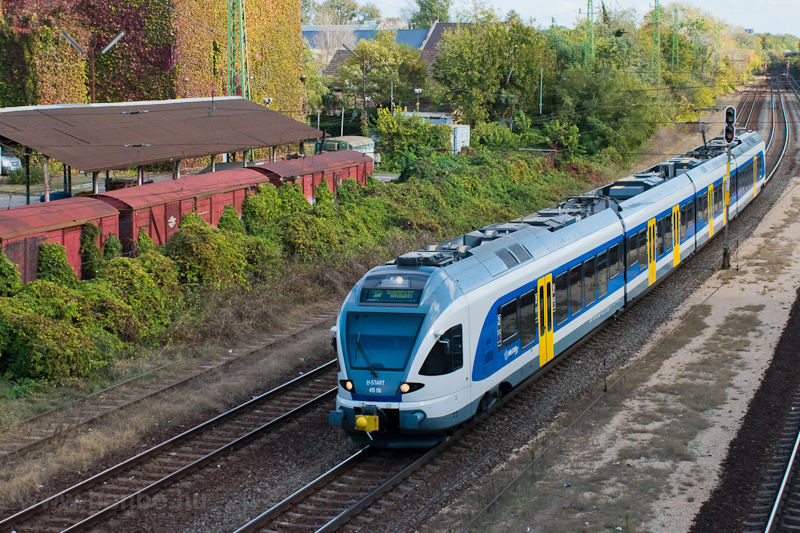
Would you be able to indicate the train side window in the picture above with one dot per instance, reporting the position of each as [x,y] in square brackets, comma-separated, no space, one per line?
[667,234]
[705,207]
[602,273]
[613,262]
[507,324]
[633,244]
[700,210]
[684,220]
[562,298]
[659,237]
[643,249]
[717,200]
[527,315]
[590,282]
[575,290]
[447,354]
[689,216]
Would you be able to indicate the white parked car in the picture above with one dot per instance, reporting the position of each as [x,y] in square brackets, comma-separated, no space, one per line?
[8,161]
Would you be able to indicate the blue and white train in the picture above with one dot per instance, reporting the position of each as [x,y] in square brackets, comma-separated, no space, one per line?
[435,337]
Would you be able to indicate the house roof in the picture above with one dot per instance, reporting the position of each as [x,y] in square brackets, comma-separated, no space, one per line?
[95,137]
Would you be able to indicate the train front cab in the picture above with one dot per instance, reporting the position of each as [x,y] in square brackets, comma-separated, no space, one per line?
[388,394]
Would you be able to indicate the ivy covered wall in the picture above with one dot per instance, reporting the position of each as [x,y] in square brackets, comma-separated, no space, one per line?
[171,48]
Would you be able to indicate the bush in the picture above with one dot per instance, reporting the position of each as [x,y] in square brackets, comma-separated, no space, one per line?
[261,207]
[90,251]
[291,199]
[17,177]
[144,243]
[53,265]
[204,255]
[152,305]
[10,281]
[112,247]
[323,196]
[229,221]
[46,349]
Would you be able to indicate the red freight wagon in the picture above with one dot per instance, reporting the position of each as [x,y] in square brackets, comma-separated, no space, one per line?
[309,172]
[23,229]
[159,207]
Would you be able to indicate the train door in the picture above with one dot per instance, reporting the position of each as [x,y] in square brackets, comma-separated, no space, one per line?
[710,210]
[676,235]
[651,251]
[545,300]
[755,176]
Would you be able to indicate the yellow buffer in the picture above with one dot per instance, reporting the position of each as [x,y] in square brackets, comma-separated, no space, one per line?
[367,423]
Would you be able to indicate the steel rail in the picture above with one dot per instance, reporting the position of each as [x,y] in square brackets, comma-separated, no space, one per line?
[55,500]
[786,137]
[786,477]
[787,474]
[752,107]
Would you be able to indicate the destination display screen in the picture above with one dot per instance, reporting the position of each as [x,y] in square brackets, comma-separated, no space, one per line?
[391,296]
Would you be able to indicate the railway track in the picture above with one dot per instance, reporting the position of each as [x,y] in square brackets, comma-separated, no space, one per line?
[357,495]
[134,481]
[776,506]
[57,424]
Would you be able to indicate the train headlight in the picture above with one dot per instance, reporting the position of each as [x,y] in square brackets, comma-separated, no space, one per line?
[347,385]
[409,387]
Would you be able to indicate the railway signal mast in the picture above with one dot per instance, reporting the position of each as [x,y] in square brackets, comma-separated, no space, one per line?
[729,135]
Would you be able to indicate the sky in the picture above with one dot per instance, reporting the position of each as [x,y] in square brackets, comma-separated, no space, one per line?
[763,16]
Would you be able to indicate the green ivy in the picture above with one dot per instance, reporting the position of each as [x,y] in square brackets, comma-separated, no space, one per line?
[323,196]
[204,255]
[144,243]
[112,247]
[261,207]
[53,265]
[90,251]
[10,281]
[229,221]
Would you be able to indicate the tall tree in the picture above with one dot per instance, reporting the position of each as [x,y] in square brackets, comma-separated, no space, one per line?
[429,11]
[490,68]
[386,62]
[345,11]
[369,11]
[307,11]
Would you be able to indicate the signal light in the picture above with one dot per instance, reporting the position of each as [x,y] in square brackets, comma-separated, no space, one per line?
[730,120]
[730,133]
[730,115]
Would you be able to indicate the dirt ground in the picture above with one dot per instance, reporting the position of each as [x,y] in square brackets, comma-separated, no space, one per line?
[647,455]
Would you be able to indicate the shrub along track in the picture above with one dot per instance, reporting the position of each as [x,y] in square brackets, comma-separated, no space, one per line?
[419,490]
[56,425]
[751,451]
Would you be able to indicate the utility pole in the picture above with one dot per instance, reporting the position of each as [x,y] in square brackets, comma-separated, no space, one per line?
[675,40]
[238,63]
[589,42]
[541,85]
[655,58]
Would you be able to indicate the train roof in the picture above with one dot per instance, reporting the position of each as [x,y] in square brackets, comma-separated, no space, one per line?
[47,216]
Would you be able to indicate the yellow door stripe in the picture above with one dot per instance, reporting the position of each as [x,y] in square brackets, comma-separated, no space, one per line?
[710,211]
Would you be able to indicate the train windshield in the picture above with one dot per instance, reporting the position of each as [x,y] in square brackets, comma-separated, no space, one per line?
[380,341]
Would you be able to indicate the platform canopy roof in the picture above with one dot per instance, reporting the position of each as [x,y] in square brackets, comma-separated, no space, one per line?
[95,137]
